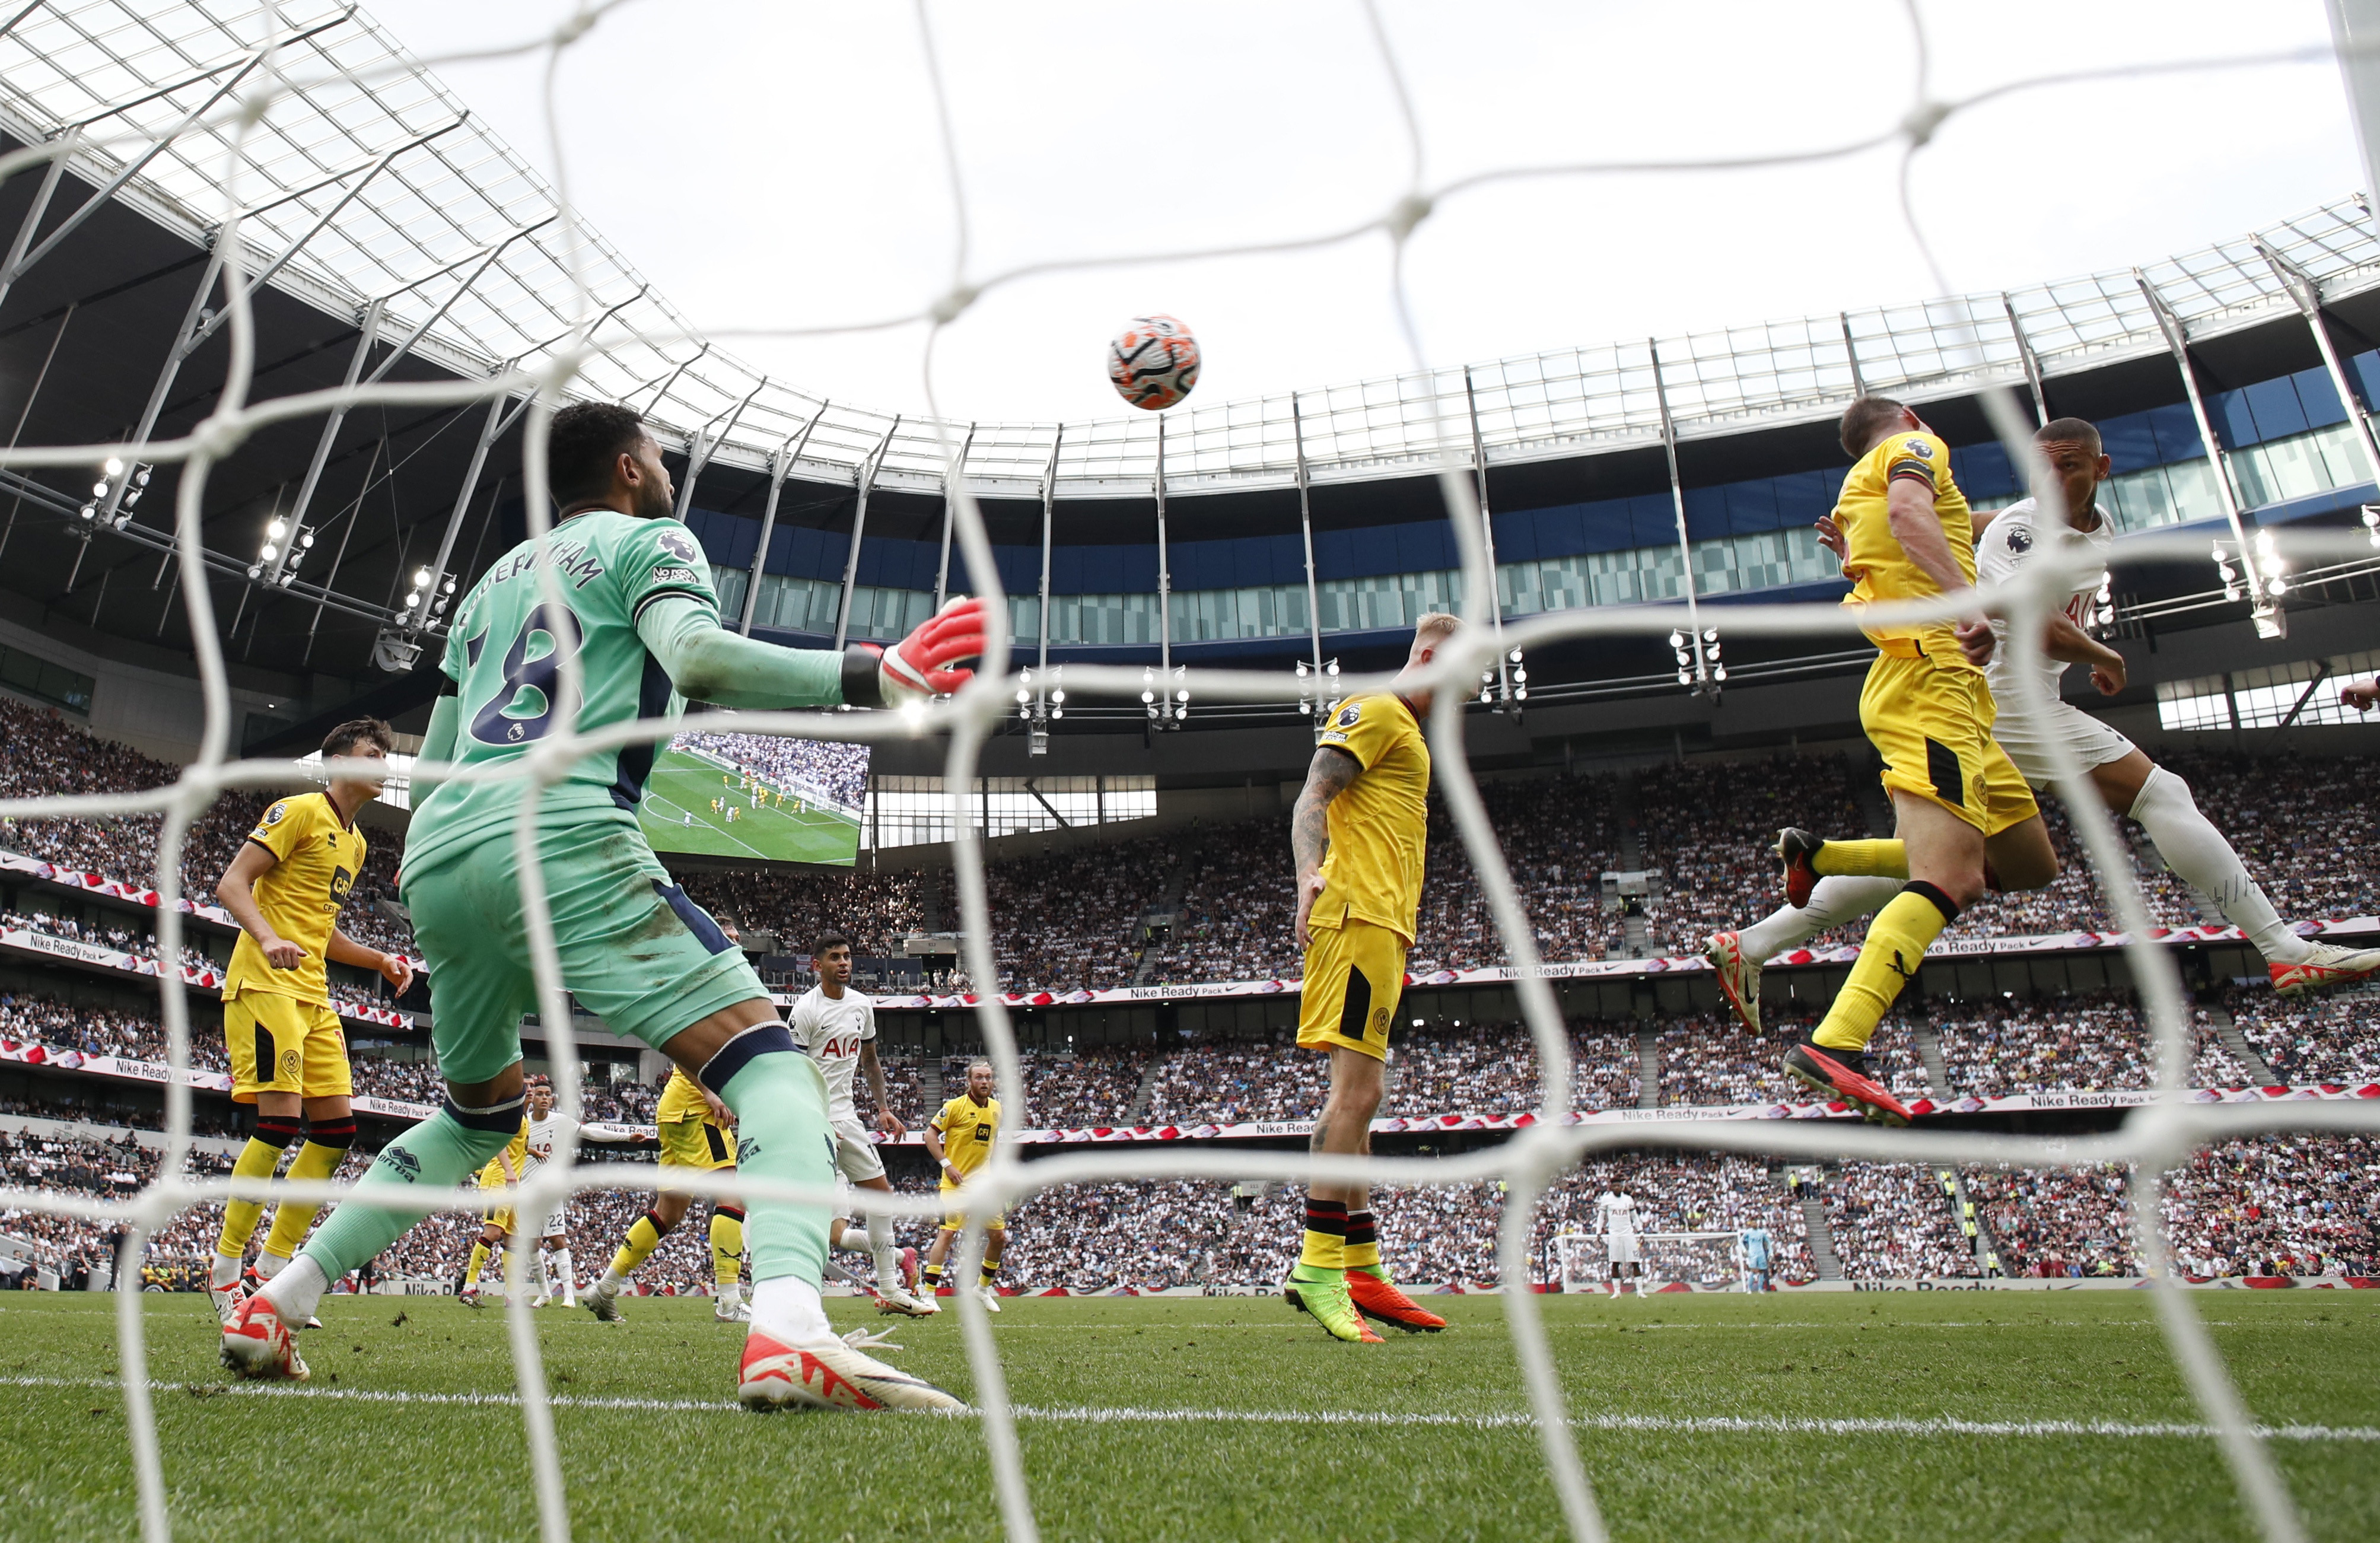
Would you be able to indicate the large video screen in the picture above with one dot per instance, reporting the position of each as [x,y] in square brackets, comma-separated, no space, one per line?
[728,794]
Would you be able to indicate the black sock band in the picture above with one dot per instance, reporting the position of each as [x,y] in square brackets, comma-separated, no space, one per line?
[276,1130]
[732,1213]
[1327,1216]
[339,1134]
[741,1051]
[1362,1228]
[503,1118]
[660,1228]
[1942,903]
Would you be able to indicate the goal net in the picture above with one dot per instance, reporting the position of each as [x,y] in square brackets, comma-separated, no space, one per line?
[527,309]
[1697,1261]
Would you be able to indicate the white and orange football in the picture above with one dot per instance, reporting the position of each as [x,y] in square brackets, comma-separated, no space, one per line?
[1154,362]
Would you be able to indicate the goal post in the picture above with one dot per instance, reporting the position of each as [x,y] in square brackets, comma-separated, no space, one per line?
[1698,1262]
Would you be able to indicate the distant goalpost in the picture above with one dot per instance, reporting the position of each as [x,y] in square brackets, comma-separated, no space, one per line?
[1695,1262]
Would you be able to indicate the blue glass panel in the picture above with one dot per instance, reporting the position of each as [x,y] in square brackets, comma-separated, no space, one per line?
[1982,470]
[1753,507]
[2177,433]
[1803,496]
[2131,442]
[2274,406]
[1335,554]
[1706,514]
[2318,398]
[2235,422]
[1516,537]
[2365,370]
[1607,525]
[1655,518]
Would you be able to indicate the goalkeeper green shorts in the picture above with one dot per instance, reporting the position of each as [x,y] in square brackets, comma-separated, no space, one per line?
[633,950]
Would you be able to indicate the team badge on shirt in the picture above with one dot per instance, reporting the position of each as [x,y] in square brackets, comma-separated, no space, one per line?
[272,815]
[1350,715]
[680,545]
[1918,448]
[2020,538]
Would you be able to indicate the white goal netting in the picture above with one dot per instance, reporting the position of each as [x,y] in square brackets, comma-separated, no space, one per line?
[212,106]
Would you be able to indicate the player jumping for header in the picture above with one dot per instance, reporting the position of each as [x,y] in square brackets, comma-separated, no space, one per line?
[1957,801]
[288,1053]
[639,613]
[2127,781]
[1358,834]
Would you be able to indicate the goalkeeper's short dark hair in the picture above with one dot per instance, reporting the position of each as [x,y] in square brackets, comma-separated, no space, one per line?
[1864,420]
[581,446]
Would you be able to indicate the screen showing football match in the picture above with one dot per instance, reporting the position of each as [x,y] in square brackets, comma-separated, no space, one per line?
[760,795]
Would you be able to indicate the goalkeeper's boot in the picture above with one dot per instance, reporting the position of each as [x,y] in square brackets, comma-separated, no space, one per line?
[1329,1302]
[1795,849]
[829,1374]
[2328,965]
[254,1280]
[1370,1288]
[1739,976]
[257,1344]
[1842,1075]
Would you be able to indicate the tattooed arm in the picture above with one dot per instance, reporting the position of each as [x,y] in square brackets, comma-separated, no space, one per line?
[1309,827]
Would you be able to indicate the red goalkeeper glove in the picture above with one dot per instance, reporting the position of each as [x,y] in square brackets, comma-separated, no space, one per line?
[920,664]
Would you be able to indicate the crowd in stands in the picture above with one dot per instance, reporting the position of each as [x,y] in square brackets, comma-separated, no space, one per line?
[1711,827]
[2288,1205]
[1896,1221]
[829,767]
[874,909]
[2331,1038]
[2055,1221]
[2305,827]
[1093,1087]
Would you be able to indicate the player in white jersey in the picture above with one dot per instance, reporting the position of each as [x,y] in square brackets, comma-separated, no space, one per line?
[545,1226]
[837,1025]
[1615,1218]
[2128,782]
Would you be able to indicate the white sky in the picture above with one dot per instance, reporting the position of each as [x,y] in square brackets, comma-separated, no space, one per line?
[774,164]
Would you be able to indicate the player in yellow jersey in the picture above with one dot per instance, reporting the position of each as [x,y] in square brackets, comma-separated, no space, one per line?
[1359,834]
[960,1139]
[288,1053]
[503,1171]
[1957,802]
[698,1132]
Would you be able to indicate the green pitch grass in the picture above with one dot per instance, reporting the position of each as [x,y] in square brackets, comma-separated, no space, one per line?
[1199,1419]
[682,787]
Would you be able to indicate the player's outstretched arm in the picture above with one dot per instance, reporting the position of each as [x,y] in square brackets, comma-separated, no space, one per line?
[2362,696]
[708,664]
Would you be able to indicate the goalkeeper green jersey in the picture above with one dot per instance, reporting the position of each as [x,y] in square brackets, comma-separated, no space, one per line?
[503,663]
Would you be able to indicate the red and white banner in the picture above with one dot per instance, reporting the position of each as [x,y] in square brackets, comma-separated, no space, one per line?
[101,957]
[1611,969]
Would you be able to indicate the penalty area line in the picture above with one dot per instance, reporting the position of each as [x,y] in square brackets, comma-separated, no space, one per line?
[1724,1424]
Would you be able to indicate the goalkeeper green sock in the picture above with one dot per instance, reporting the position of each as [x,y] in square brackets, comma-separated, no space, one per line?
[439,1153]
[781,1132]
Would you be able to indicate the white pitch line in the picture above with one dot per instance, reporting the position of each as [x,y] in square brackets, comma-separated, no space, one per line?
[1665,1424]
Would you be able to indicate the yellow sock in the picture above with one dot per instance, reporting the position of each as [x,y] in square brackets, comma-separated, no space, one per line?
[1860,859]
[644,1236]
[257,1160]
[990,1270]
[290,1221]
[727,1245]
[1897,941]
[1326,1235]
[479,1263]
[1362,1250]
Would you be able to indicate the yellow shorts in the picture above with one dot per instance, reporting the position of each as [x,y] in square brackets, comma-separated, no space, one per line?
[281,1045]
[697,1144]
[954,1220]
[499,1217]
[1354,977]
[1932,725]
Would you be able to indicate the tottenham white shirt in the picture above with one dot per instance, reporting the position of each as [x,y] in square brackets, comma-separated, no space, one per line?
[2008,544]
[833,1029]
[1618,1214]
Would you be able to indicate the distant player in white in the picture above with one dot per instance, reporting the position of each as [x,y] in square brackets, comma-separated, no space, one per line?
[1615,1218]
[547,1229]
[837,1026]
[2127,780]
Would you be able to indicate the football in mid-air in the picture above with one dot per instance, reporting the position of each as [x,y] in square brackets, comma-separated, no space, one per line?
[1154,362]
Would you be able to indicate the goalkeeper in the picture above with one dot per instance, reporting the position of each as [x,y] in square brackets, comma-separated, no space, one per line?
[640,614]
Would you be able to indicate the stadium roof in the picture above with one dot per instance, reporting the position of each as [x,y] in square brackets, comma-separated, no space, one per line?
[369,180]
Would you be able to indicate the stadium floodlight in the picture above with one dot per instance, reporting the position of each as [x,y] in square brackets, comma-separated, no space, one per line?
[2372,521]
[111,466]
